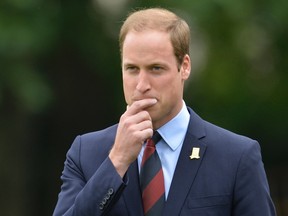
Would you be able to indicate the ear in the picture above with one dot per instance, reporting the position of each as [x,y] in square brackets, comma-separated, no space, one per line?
[186,67]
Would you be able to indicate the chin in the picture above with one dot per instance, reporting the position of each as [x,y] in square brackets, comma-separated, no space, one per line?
[152,113]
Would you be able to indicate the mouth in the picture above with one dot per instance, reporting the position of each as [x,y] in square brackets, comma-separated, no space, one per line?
[151,106]
[139,99]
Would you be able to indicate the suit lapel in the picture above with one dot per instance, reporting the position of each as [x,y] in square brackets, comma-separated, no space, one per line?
[186,169]
[132,193]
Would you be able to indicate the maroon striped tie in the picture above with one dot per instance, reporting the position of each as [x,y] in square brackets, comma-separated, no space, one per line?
[152,179]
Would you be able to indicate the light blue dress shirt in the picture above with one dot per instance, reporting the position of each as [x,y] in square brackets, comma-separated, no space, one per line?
[169,147]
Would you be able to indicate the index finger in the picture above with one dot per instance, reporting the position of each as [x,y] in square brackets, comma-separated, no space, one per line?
[140,105]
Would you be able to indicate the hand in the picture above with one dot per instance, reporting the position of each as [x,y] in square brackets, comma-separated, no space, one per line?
[135,126]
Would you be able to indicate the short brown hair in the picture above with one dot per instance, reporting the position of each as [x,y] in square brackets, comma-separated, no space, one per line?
[162,20]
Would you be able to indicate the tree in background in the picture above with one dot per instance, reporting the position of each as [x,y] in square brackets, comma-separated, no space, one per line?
[60,75]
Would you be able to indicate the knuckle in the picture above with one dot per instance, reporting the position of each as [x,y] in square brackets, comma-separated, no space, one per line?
[145,114]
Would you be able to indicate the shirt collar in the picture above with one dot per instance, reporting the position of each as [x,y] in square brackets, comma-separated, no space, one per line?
[174,131]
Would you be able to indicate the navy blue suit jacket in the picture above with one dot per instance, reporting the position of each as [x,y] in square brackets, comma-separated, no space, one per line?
[228,178]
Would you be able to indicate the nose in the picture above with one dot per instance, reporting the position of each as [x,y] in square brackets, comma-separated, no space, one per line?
[143,83]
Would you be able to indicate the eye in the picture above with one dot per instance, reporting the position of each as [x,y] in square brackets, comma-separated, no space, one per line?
[157,69]
[130,68]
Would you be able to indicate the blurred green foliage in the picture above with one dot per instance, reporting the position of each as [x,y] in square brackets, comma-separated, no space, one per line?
[60,75]
[28,30]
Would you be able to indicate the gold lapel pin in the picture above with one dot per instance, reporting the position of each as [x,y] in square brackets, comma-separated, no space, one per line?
[195,154]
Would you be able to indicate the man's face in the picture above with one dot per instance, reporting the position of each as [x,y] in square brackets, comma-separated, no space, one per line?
[150,70]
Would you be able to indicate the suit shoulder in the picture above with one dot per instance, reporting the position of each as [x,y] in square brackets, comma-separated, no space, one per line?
[101,140]
[104,134]
[225,138]
[217,137]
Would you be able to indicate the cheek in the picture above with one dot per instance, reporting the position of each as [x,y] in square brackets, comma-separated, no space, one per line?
[172,88]
[128,88]
[128,84]
[170,84]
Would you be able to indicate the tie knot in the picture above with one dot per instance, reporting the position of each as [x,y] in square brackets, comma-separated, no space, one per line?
[154,139]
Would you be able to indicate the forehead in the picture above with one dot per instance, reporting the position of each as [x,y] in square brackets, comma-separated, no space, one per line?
[146,42]
[147,33]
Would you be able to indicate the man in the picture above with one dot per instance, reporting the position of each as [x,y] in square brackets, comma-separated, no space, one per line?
[204,170]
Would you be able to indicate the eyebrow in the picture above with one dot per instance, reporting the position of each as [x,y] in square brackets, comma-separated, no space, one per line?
[156,63]
[129,64]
